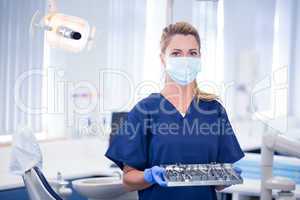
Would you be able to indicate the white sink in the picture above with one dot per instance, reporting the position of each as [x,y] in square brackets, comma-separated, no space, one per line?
[103,188]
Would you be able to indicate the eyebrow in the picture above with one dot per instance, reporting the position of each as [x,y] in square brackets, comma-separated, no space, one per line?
[189,49]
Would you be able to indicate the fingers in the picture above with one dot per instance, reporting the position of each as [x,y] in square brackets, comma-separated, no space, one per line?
[160,180]
[163,184]
[159,176]
[238,170]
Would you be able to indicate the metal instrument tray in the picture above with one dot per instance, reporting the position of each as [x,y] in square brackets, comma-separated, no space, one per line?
[201,174]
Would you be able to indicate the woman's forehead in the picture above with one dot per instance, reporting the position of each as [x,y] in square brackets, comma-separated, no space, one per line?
[183,42]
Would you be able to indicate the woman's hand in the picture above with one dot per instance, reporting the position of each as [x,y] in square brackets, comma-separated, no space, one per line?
[134,179]
[155,175]
[237,170]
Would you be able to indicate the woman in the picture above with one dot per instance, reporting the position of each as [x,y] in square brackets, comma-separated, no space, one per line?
[181,124]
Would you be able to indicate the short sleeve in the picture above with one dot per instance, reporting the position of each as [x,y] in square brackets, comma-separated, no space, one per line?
[129,144]
[229,150]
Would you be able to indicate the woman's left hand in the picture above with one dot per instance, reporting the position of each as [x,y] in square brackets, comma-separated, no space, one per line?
[237,170]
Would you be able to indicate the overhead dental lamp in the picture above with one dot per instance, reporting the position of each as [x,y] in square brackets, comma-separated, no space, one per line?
[63,31]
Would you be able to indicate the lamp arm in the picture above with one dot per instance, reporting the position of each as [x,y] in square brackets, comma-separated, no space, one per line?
[282,144]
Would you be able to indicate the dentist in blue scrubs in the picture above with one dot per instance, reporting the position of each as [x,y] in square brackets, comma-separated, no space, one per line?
[181,124]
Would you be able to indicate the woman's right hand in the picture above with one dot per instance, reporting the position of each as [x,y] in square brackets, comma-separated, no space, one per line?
[155,175]
[134,179]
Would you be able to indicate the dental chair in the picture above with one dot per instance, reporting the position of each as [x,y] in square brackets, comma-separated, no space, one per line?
[38,187]
[27,161]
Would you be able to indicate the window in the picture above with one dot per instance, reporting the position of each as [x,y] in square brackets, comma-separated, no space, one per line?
[21,63]
[277,114]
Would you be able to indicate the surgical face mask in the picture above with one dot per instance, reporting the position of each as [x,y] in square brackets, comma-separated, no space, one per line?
[183,70]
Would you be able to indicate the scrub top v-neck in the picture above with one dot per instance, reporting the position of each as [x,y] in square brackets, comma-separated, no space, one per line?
[155,133]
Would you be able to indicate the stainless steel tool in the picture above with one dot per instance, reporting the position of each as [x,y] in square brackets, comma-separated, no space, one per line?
[201,174]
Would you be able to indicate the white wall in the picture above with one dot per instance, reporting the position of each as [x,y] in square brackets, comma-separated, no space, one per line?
[182,11]
[248,43]
[249,56]
[295,71]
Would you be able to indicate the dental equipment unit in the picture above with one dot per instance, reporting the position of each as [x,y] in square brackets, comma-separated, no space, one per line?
[284,145]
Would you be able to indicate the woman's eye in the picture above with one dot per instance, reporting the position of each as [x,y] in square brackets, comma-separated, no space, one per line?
[175,54]
[194,54]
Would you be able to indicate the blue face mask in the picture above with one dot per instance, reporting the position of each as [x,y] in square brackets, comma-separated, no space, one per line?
[183,70]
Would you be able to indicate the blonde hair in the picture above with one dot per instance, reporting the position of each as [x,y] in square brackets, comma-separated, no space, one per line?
[184,28]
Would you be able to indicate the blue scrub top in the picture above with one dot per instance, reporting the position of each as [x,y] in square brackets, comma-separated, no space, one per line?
[155,133]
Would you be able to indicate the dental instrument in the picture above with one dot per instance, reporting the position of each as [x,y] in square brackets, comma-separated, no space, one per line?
[201,174]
